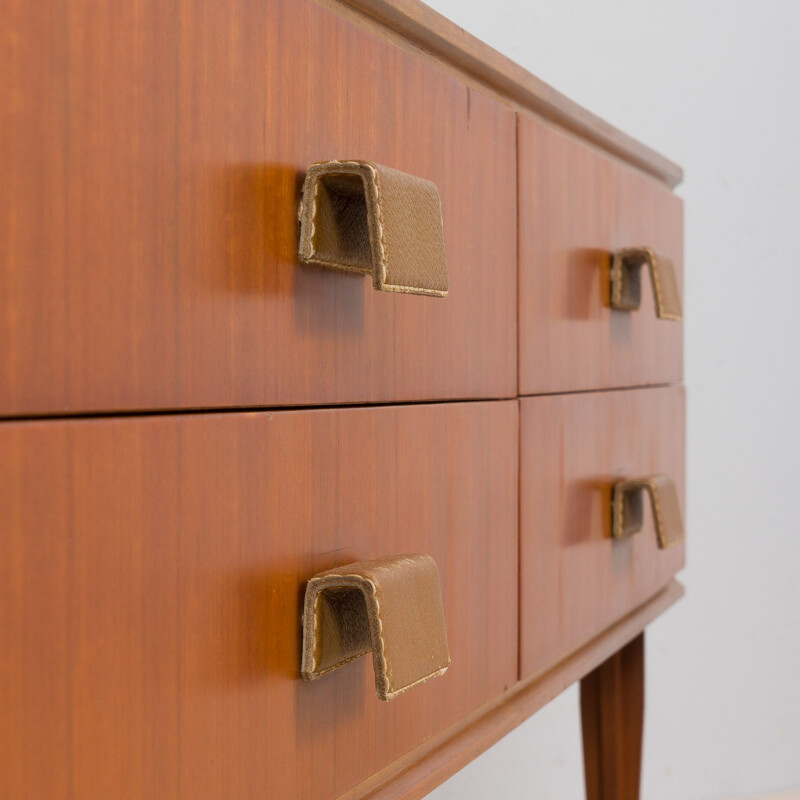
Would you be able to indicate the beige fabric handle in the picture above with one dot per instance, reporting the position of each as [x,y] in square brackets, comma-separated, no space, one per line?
[627,509]
[362,217]
[626,281]
[391,606]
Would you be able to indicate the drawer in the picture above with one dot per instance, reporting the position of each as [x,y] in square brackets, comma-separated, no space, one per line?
[575,579]
[149,245]
[151,580]
[577,206]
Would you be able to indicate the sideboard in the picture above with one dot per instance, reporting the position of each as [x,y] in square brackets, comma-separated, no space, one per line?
[196,419]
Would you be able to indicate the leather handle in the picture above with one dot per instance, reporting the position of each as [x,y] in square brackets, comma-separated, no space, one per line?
[391,606]
[626,281]
[362,217]
[627,509]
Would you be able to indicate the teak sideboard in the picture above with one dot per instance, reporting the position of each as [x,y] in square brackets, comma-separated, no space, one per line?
[194,422]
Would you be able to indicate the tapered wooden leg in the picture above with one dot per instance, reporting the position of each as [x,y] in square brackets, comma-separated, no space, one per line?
[612,717]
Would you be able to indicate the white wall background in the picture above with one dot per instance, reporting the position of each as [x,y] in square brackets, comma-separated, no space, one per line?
[714,85]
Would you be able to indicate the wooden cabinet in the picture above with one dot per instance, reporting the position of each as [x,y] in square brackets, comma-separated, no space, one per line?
[575,579]
[151,573]
[169,478]
[150,261]
[576,206]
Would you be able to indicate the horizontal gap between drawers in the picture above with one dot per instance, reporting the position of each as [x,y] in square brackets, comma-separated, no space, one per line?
[604,391]
[191,411]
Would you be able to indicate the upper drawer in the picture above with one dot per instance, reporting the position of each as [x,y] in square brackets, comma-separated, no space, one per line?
[149,199]
[575,578]
[577,206]
[151,579]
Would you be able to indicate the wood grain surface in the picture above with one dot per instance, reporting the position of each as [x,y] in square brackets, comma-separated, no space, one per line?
[424,768]
[152,154]
[151,574]
[436,34]
[612,722]
[576,205]
[574,579]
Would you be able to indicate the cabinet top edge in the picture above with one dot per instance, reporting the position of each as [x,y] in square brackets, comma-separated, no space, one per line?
[429,30]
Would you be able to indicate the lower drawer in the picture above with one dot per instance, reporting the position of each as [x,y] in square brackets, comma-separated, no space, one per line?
[151,578]
[575,580]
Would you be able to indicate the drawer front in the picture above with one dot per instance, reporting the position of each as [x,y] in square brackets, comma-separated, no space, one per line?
[576,206]
[575,580]
[149,212]
[151,578]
